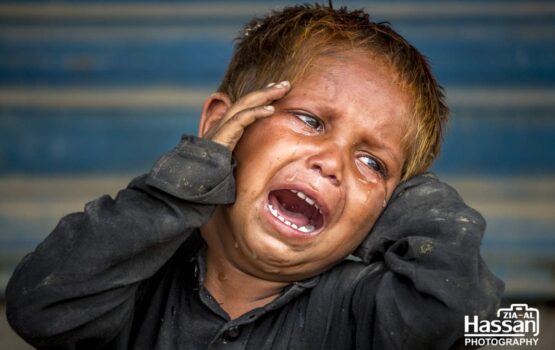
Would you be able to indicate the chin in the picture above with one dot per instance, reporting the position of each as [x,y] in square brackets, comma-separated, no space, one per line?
[280,257]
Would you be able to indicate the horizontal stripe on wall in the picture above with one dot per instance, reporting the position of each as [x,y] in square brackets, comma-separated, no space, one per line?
[216,30]
[194,60]
[121,10]
[182,63]
[76,141]
[130,98]
[70,141]
[525,100]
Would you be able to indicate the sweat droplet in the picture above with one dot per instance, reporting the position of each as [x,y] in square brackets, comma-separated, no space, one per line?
[384,204]
[236,245]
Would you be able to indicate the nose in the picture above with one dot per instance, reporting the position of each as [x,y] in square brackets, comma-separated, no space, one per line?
[329,164]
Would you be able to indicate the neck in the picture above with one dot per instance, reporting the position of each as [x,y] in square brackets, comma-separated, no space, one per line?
[236,290]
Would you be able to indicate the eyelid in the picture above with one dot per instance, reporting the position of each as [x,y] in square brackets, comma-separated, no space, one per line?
[383,168]
[309,115]
[306,114]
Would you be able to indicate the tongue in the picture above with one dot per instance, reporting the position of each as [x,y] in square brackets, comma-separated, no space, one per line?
[290,207]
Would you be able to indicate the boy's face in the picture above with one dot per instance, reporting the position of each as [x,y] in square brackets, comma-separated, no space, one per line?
[335,139]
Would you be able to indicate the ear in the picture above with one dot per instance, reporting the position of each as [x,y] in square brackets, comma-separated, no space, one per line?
[213,110]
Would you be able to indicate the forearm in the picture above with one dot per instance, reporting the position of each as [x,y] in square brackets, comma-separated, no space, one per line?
[428,241]
[83,278]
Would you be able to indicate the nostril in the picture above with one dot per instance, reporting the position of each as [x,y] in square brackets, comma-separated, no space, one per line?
[334,180]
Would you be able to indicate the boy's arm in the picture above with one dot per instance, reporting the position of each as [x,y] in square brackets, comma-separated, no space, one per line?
[428,241]
[80,284]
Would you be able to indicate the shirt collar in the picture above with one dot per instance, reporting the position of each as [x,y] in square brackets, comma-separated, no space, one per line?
[289,293]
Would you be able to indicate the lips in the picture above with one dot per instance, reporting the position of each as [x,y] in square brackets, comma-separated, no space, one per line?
[296,210]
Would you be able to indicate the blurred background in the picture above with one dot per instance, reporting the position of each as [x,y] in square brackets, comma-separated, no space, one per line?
[92,92]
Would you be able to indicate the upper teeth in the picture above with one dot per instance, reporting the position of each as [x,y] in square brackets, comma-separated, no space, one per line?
[307,199]
[304,229]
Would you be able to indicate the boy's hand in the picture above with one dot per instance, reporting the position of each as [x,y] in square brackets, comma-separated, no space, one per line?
[246,111]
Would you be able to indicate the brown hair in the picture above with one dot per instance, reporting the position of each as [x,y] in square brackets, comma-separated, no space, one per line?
[283,44]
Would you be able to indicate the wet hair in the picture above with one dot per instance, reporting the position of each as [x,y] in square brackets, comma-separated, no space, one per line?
[284,44]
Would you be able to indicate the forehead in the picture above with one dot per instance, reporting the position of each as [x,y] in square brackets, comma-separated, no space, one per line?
[354,83]
[358,68]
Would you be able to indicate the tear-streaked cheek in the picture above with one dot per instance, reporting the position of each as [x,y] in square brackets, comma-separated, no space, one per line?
[365,203]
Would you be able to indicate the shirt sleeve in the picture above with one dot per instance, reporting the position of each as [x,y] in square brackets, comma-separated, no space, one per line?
[425,272]
[80,284]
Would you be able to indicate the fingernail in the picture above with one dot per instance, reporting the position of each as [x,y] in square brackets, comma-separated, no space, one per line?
[282,84]
[271,84]
[269,108]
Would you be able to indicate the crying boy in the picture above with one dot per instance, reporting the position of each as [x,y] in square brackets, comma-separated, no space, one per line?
[301,218]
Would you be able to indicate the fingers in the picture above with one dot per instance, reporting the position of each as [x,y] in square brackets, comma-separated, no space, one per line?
[262,97]
[231,131]
[247,110]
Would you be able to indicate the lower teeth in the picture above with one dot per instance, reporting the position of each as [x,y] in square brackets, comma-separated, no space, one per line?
[303,229]
[306,229]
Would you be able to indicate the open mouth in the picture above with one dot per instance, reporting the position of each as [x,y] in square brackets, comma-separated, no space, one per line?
[296,210]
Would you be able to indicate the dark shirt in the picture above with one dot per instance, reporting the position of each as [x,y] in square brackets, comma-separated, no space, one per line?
[127,273]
